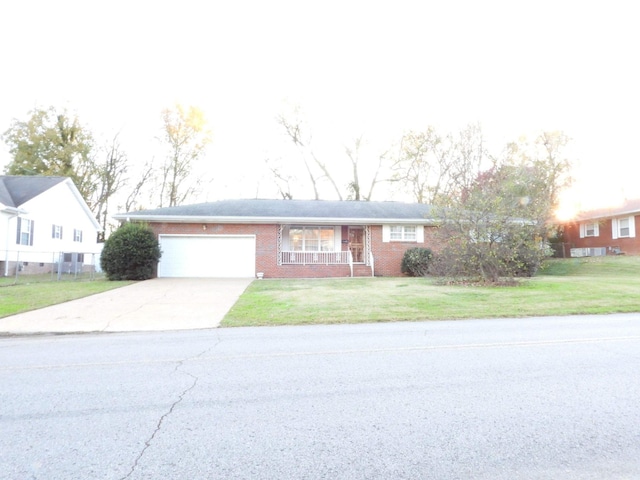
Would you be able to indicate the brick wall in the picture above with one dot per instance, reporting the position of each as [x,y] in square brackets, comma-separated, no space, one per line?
[387,255]
[266,239]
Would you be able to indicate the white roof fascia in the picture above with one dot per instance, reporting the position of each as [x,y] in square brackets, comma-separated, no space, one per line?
[605,216]
[275,220]
[83,203]
[12,210]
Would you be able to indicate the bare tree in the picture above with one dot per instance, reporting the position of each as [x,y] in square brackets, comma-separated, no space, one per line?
[109,180]
[281,179]
[294,130]
[548,167]
[355,186]
[186,135]
[439,168]
[423,164]
[468,158]
[318,171]
[143,180]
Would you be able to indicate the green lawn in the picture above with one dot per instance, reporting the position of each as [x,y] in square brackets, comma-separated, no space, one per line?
[563,287]
[38,291]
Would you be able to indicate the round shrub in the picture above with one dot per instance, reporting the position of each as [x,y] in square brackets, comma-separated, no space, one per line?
[415,261]
[130,253]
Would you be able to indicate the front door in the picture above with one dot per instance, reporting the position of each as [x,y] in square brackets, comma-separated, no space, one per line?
[356,243]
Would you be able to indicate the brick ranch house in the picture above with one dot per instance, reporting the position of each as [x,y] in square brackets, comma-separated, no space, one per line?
[607,231]
[287,238]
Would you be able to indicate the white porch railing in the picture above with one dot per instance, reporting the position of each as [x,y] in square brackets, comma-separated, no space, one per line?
[316,258]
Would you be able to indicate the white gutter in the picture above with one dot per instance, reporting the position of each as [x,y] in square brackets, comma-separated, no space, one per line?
[274,220]
[13,213]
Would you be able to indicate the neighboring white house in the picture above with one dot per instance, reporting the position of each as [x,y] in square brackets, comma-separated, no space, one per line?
[45,226]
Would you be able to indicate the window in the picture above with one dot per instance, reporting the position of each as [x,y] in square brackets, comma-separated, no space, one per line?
[311,239]
[623,227]
[24,232]
[400,233]
[56,231]
[77,235]
[589,230]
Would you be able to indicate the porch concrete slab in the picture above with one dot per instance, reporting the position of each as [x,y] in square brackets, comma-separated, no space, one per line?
[150,305]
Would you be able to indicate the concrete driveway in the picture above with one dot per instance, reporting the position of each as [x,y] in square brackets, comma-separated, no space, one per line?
[151,305]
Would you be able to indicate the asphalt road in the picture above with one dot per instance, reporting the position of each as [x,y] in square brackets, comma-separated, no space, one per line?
[550,398]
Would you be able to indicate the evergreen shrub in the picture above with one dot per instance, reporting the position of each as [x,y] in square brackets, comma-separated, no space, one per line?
[130,253]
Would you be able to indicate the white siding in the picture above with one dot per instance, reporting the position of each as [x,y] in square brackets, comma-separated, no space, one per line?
[56,206]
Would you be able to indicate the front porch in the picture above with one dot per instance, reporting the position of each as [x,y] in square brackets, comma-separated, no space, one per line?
[340,250]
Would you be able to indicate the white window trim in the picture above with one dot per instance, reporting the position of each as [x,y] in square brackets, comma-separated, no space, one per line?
[25,226]
[386,234]
[584,228]
[615,227]
[56,232]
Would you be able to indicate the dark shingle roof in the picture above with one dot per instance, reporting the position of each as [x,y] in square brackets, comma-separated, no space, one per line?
[254,210]
[15,190]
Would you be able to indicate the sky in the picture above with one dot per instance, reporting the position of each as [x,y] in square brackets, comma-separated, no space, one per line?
[354,68]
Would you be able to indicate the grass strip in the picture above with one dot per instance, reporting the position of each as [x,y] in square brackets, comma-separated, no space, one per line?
[22,297]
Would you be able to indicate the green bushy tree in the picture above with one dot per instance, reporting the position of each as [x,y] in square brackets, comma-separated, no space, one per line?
[130,253]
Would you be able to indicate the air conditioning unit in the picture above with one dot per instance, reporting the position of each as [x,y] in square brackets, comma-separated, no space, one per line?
[588,252]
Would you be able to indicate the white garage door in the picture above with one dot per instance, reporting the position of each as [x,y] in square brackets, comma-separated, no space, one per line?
[207,256]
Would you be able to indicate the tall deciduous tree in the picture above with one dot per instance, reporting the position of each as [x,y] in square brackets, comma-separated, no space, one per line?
[52,143]
[315,169]
[498,226]
[186,136]
[358,190]
[318,171]
[110,179]
[422,164]
[281,177]
[436,168]
[550,167]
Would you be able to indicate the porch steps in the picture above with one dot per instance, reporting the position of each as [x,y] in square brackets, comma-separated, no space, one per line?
[361,270]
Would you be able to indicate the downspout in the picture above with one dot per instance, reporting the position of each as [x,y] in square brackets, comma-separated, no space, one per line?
[15,213]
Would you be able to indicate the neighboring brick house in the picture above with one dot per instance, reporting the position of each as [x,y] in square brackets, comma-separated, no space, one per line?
[607,231]
[287,238]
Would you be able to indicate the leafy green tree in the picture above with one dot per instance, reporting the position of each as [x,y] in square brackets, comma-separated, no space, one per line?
[52,143]
[130,253]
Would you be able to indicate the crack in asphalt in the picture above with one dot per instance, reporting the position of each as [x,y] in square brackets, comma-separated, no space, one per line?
[149,441]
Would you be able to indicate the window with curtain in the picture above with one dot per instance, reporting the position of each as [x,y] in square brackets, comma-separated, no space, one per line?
[311,239]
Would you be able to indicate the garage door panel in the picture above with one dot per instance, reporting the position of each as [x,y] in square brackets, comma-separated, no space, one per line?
[207,256]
